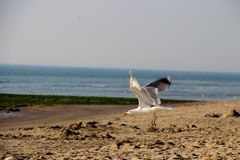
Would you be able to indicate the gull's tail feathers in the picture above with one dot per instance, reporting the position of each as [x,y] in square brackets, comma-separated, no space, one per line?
[165,108]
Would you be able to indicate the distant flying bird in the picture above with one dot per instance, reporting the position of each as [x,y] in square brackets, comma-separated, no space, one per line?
[148,98]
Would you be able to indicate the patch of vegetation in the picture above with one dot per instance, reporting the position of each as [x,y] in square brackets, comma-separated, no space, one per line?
[21,100]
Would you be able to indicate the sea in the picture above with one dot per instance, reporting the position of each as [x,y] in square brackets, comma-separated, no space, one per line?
[80,81]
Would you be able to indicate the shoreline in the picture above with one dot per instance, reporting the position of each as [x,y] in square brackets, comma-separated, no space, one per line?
[40,115]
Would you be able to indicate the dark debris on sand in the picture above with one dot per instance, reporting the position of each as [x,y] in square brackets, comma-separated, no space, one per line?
[232,113]
[84,131]
[213,115]
[91,139]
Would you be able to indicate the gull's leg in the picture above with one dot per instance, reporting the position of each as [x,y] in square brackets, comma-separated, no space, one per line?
[152,123]
[154,120]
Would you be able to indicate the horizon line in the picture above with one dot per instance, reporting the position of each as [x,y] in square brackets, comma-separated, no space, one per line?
[117,68]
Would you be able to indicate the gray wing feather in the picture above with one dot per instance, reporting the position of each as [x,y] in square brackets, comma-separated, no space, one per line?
[153,92]
[154,87]
[161,84]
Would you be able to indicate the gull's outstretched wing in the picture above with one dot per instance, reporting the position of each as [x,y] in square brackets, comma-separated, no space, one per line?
[144,99]
[161,84]
[157,86]
[153,92]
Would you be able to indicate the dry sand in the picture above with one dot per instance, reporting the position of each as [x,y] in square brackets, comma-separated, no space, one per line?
[189,131]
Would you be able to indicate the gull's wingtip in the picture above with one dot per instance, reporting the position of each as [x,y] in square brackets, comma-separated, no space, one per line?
[130,71]
[168,78]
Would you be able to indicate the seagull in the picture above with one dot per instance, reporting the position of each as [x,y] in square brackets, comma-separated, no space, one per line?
[148,98]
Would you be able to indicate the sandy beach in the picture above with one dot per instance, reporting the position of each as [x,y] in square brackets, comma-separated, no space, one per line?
[199,130]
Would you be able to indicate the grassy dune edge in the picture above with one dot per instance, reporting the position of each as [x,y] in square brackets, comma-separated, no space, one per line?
[23,99]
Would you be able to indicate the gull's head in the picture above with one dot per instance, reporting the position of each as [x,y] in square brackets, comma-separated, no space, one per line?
[128,113]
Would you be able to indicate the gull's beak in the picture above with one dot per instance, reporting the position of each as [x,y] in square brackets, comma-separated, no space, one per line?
[125,113]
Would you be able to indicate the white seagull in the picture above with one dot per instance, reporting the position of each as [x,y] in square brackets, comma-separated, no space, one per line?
[148,99]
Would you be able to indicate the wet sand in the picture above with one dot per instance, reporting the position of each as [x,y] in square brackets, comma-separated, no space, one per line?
[200,130]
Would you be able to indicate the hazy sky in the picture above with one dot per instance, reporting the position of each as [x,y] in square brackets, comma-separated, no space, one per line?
[151,34]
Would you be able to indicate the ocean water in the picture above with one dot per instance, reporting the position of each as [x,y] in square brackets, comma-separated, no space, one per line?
[43,80]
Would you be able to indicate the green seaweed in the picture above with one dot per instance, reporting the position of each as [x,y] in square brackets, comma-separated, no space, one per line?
[24,99]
